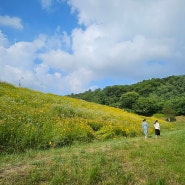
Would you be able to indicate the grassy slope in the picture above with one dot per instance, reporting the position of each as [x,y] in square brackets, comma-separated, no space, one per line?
[30,119]
[119,161]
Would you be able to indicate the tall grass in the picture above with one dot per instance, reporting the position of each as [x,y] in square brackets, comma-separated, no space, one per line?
[117,161]
[87,143]
[34,120]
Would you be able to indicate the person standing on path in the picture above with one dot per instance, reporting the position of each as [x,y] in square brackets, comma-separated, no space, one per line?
[157,128]
[145,128]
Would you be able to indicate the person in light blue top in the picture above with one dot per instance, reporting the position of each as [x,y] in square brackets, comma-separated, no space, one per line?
[145,128]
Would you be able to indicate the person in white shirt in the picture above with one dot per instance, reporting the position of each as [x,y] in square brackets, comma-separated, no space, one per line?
[157,128]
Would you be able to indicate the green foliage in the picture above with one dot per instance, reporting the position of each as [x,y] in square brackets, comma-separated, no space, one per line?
[95,125]
[178,104]
[118,161]
[128,99]
[159,115]
[160,91]
[169,113]
[34,120]
[144,106]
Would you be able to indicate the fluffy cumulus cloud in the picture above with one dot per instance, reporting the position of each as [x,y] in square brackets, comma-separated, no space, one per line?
[123,39]
[13,22]
[3,40]
[132,35]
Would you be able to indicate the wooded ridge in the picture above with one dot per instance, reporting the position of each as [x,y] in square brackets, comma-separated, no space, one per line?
[156,95]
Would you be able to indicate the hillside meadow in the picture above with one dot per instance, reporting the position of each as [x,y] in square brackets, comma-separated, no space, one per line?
[54,140]
[123,161]
[34,120]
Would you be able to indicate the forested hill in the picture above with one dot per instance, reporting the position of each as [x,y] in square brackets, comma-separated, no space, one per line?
[157,95]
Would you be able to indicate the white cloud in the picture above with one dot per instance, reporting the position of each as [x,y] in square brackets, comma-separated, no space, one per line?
[3,40]
[122,39]
[58,59]
[46,4]
[132,35]
[21,54]
[13,22]
[18,62]
[131,16]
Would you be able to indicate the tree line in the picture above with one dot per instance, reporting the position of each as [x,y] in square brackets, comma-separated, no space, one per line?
[148,97]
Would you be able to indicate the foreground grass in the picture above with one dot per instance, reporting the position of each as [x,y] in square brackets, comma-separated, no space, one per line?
[120,161]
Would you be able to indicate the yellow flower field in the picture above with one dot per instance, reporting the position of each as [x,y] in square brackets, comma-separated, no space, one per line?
[30,119]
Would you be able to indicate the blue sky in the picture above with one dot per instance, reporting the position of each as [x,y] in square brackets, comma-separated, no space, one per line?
[70,46]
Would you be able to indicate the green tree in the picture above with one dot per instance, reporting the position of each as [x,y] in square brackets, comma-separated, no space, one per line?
[159,92]
[113,94]
[169,113]
[178,105]
[144,106]
[128,99]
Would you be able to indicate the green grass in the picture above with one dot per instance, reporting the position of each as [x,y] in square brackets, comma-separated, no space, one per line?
[159,115]
[152,161]
[34,120]
[52,140]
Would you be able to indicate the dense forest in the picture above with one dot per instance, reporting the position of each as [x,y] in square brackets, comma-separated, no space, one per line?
[156,95]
